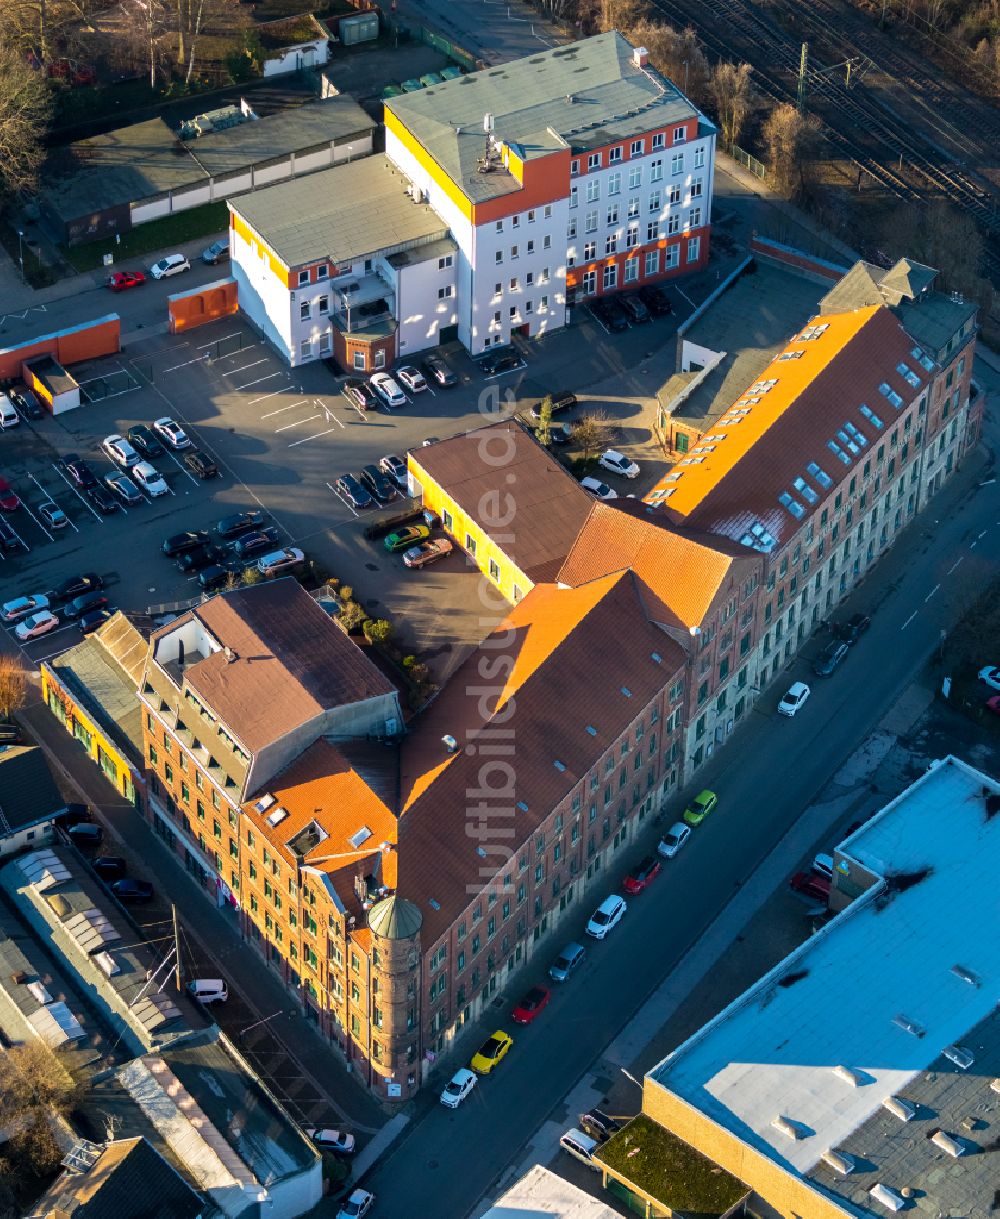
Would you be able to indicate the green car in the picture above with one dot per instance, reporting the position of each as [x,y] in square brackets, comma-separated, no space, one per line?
[403,539]
[700,807]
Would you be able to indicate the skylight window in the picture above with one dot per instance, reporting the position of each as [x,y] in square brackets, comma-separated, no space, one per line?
[812,332]
[759,539]
[886,390]
[793,505]
[838,452]
[870,415]
[661,494]
[847,442]
[908,374]
[791,355]
[925,362]
[853,431]
[819,475]
[807,493]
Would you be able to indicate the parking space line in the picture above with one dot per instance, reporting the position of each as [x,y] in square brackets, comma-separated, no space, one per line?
[51,499]
[183,469]
[296,423]
[272,394]
[231,372]
[37,521]
[18,536]
[225,338]
[174,367]
[269,377]
[315,437]
[328,411]
[291,406]
[89,507]
[344,502]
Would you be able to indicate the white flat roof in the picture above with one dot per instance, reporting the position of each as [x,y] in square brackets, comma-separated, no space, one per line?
[540,1192]
[841,1000]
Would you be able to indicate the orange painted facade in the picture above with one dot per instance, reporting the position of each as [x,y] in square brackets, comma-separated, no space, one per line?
[186,310]
[101,338]
[544,180]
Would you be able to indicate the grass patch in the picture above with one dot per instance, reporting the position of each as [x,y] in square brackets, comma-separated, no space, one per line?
[181,227]
[664,1167]
[36,272]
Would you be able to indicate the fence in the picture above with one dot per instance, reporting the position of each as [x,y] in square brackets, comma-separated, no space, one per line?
[757,168]
[108,386]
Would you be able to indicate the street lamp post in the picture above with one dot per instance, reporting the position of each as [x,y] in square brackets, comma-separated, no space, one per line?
[20,252]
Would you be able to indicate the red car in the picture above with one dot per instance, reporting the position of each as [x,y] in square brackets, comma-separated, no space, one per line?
[993,704]
[8,500]
[643,874]
[811,884]
[528,1007]
[118,281]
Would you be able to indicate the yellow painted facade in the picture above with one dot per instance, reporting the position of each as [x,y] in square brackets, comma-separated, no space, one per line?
[100,747]
[278,268]
[512,583]
[427,162]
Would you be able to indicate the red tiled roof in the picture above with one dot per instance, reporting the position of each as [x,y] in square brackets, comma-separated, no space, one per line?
[564,661]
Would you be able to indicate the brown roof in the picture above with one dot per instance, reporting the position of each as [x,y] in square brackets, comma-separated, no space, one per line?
[684,570]
[291,661]
[502,471]
[554,677]
[733,489]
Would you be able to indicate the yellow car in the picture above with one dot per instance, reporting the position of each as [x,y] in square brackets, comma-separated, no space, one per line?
[700,807]
[490,1053]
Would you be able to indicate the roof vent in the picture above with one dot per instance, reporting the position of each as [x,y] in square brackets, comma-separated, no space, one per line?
[640,56]
[966,975]
[450,743]
[908,1025]
[788,1127]
[570,98]
[947,1144]
[899,1107]
[277,817]
[231,656]
[959,1055]
[107,963]
[857,1079]
[888,1197]
[839,1161]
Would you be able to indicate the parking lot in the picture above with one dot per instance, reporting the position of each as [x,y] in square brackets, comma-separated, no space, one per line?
[281,438]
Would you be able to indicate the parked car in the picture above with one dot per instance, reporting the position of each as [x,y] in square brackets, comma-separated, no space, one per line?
[610,315]
[121,281]
[531,1005]
[497,362]
[8,538]
[36,625]
[829,658]
[200,557]
[580,1146]
[436,370]
[596,487]
[458,1088]
[76,470]
[187,539]
[811,884]
[208,990]
[211,579]
[405,538]
[280,561]
[249,545]
[561,401]
[700,807]
[141,438]
[217,252]
[395,467]
[656,300]
[85,604]
[173,264]
[109,867]
[102,499]
[560,434]
[129,889]
[85,834]
[8,500]
[26,402]
[822,865]
[95,619]
[991,676]
[852,630]
[240,522]
[350,489]
[73,814]
[150,479]
[10,734]
[200,464]
[76,586]
[122,486]
[380,485]
[492,1052]
[412,378]
[642,875]
[21,607]
[360,393]
[52,515]
[340,1142]
[387,389]
[606,917]
[427,552]
[8,413]
[357,1204]
[635,307]
[171,433]
[673,840]
[599,1125]
[618,463]
[794,698]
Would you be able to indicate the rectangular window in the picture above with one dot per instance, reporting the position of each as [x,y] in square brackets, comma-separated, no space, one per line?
[611,245]
[613,215]
[445,262]
[633,207]
[654,201]
[694,218]
[675,193]
[589,285]
[635,177]
[699,158]
[594,161]
[655,170]
[673,224]
[610,276]
[676,164]
[574,196]
[614,184]
[499,256]
[305,309]
[637,148]
[323,305]
[513,251]
[652,264]
[679,134]
[631,270]
[696,188]
[446,292]
[574,167]
[652,230]
[614,154]
[303,277]
[593,190]
[658,140]
[632,236]
[673,257]
[590,251]
[590,224]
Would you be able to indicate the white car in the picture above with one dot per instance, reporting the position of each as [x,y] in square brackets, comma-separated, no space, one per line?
[388,390]
[170,431]
[149,479]
[795,696]
[8,413]
[359,1203]
[21,607]
[412,378]
[120,451]
[332,1140]
[673,840]
[36,625]
[990,675]
[596,487]
[395,467]
[280,560]
[173,264]
[458,1088]
[606,917]
[618,463]
[52,515]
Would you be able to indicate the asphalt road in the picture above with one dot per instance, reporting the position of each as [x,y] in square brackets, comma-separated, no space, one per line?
[765,779]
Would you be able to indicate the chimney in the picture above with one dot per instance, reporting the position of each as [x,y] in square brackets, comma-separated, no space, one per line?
[231,656]
[640,57]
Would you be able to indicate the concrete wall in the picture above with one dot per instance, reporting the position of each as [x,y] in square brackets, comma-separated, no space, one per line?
[28,839]
[87,341]
[186,310]
[303,55]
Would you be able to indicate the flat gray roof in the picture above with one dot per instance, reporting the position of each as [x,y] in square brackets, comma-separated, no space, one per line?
[579,96]
[423,253]
[343,213]
[28,793]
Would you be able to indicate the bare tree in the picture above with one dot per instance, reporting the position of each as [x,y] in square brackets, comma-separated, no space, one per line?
[13,685]
[734,98]
[25,110]
[678,56]
[942,237]
[146,24]
[34,1088]
[592,433]
[791,140]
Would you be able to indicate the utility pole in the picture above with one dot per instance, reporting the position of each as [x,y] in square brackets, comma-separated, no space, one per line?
[177,948]
[803,64]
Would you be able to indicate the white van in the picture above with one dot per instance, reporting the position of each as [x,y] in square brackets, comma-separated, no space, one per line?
[580,1145]
[208,990]
[8,413]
